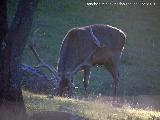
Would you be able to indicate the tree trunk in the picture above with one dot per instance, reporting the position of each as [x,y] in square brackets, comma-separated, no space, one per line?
[3,31]
[12,45]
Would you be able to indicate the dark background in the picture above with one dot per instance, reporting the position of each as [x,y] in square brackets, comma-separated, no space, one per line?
[140,63]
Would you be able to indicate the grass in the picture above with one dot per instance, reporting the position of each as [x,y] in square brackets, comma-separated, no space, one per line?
[92,108]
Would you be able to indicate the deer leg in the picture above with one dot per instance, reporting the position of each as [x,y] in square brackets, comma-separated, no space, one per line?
[59,90]
[70,91]
[70,87]
[116,82]
[86,79]
[114,70]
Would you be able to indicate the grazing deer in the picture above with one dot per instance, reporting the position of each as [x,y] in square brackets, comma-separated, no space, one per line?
[85,47]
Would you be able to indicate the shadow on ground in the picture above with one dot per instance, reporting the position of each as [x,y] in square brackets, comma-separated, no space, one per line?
[55,115]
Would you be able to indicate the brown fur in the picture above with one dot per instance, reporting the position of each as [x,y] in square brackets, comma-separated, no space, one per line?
[78,45]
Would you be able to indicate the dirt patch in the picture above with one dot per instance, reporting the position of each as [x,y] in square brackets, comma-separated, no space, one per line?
[55,115]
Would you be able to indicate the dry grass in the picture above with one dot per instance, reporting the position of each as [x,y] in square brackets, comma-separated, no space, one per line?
[94,109]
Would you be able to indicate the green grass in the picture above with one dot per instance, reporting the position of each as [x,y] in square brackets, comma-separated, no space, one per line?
[93,108]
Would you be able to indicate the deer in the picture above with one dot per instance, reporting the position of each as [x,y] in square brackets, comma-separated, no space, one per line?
[87,46]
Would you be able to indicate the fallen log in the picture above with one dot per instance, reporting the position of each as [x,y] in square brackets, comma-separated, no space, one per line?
[37,81]
[34,78]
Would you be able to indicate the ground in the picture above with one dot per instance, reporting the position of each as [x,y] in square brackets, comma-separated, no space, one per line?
[97,108]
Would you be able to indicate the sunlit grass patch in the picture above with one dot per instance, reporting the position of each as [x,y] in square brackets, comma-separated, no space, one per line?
[94,109]
[35,102]
[141,113]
